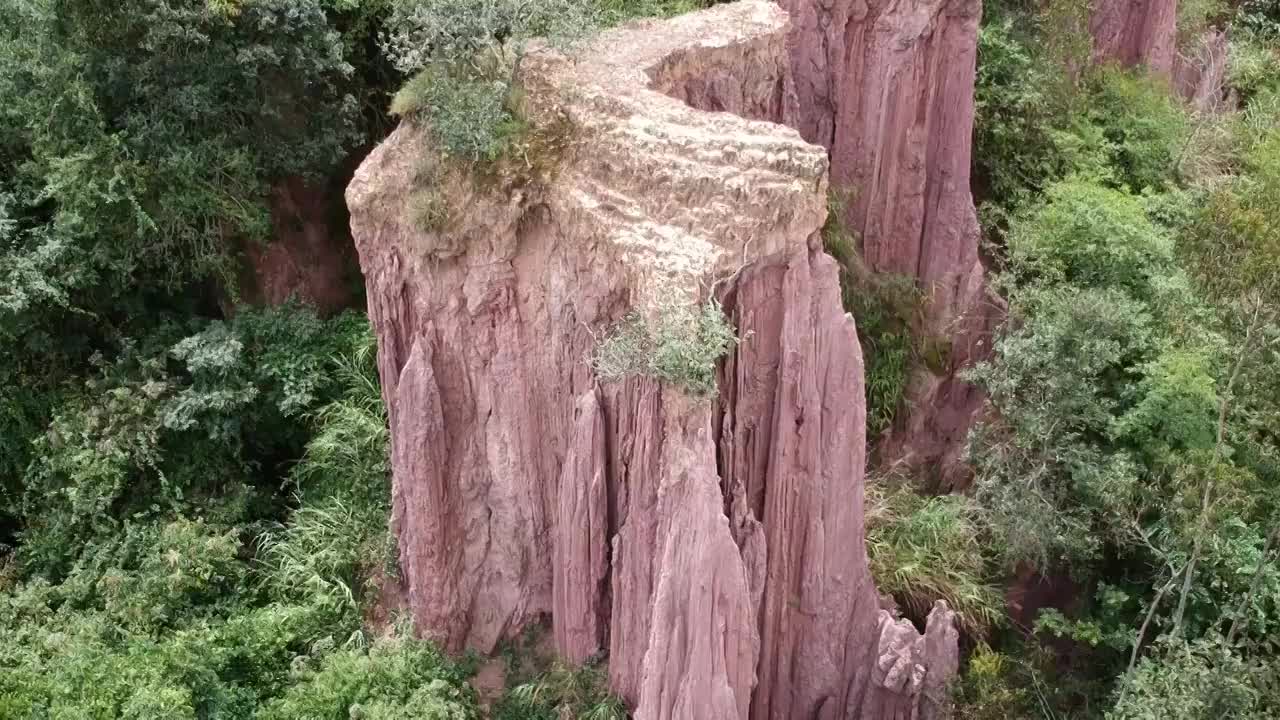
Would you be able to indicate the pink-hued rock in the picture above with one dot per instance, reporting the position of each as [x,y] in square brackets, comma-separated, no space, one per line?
[700,658]
[308,257]
[892,99]
[1135,33]
[1200,71]
[793,432]
[581,563]
[887,87]
[713,546]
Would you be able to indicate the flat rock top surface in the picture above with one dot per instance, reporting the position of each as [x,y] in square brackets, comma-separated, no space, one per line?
[687,195]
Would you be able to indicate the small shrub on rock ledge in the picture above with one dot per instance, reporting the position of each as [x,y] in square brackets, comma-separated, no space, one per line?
[466,106]
[680,346]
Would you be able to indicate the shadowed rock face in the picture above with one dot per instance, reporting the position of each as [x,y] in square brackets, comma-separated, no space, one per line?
[887,87]
[714,548]
[309,260]
[1136,33]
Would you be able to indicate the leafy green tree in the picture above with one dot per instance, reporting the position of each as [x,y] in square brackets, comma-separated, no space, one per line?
[175,424]
[176,611]
[1083,378]
[138,143]
[1235,255]
[397,678]
[152,129]
[1202,680]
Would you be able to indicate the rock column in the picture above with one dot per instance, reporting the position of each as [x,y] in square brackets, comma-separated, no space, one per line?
[713,547]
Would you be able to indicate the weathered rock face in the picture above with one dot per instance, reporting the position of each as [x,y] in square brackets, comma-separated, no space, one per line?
[887,88]
[1136,33]
[309,258]
[1200,71]
[1145,33]
[713,548]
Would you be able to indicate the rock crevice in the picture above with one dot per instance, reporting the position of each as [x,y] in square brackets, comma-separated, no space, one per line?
[713,548]
[887,86]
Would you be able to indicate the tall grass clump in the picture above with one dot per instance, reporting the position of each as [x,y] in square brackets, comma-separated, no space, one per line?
[561,692]
[338,537]
[924,549]
[887,308]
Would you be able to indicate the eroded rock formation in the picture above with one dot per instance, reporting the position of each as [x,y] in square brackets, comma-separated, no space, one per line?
[1200,71]
[714,548]
[309,258]
[887,88]
[1145,33]
[1136,33]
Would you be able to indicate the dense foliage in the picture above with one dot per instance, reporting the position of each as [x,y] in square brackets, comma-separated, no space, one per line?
[154,580]
[1131,451]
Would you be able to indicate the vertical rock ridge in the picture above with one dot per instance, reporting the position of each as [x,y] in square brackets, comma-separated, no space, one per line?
[1135,33]
[714,547]
[702,650]
[1200,71]
[581,547]
[816,573]
[887,87]
[424,506]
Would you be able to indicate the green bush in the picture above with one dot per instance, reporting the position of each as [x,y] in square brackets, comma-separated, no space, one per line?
[1253,65]
[338,537]
[199,423]
[1086,235]
[1203,680]
[1085,376]
[1014,150]
[1047,474]
[1197,16]
[1126,441]
[1259,16]
[462,55]
[470,113]
[990,689]
[887,310]
[423,32]
[396,678]
[235,96]
[1146,128]
[170,610]
[681,345]
[1032,128]
[1029,126]
[562,692]
[1232,245]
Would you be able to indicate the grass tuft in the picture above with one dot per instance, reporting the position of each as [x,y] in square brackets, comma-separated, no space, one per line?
[923,549]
